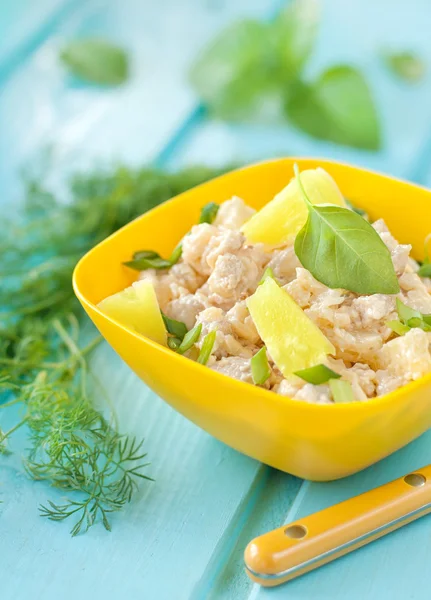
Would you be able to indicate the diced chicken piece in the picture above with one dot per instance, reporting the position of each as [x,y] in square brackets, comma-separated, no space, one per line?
[186,308]
[233,213]
[415,292]
[284,264]
[304,288]
[374,310]
[226,343]
[186,276]
[361,377]
[399,252]
[297,389]
[407,357]
[234,366]
[242,324]
[233,278]
[386,382]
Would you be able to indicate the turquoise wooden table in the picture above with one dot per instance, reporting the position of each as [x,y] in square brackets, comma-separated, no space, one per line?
[183,536]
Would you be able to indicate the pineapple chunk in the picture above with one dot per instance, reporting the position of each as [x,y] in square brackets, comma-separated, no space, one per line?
[280,220]
[293,340]
[137,308]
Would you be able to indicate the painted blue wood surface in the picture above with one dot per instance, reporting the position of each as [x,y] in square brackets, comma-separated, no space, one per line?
[183,537]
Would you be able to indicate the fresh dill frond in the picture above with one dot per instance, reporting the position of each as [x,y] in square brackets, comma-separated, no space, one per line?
[43,364]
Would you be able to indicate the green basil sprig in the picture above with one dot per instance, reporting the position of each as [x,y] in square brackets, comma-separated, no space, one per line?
[342,250]
[318,374]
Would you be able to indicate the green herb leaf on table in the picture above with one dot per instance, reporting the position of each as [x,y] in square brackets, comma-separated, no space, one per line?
[207,347]
[294,31]
[317,375]
[209,212]
[342,250]
[190,339]
[260,369]
[337,107]
[96,60]
[405,65]
[341,391]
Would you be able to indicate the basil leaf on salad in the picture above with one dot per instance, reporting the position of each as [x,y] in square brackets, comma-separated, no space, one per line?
[342,250]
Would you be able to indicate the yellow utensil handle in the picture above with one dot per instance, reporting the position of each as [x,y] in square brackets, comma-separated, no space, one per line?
[303,545]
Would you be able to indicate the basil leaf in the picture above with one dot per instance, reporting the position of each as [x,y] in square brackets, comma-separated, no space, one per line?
[267,273]
[342,250]
[425,270]
[209,212]
[233,73]
[190,338]
[207,347]
[398,327]
[96,60]
[406,313]
[405,65]
[337,107]
[294,31]
[341,391]
[176,328]
[141,264]
[260,369]
[317,375]
[174,343]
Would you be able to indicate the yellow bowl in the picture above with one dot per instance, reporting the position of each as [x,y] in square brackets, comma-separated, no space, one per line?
[317,442]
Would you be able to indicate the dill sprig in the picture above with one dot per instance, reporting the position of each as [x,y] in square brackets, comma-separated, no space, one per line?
[43,362]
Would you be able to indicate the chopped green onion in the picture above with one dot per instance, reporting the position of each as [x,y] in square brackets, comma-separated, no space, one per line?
[268,273]
[190,338]
[176,328]
[341,390]
[398,327]
[318,374]
[427,319]
[425,270]
[419,322]
[406,313]
[176,254]
[141,264]
[174,343]
[145,254]
[260,369]
[148,259]
[207,347]
[209,212]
